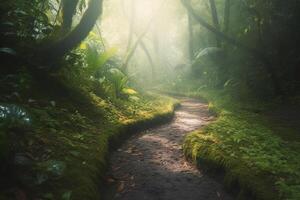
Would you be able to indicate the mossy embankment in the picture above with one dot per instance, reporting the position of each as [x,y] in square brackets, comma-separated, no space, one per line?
[62,152]
[253,158]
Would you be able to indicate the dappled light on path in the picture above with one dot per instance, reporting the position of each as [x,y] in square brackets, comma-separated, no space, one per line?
[151,165]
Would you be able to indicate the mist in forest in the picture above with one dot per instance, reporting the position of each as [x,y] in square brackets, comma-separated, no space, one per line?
[78,78]
[160,29]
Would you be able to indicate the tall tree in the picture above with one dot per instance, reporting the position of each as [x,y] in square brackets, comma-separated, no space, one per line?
[191,37]
[130,53]
[226,16]
[138,42]
[215,18]
[68,11]
[79,33]
[149,57]
[131,23]
[252,51]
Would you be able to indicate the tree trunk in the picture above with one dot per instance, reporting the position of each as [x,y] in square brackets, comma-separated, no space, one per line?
[143,46]
[131,24]
[100,35]
[79,33]
[68,11]
[130,38]
[191,37]
[227,16]
[132,50]
[252,51]
[138,41]
[215,19]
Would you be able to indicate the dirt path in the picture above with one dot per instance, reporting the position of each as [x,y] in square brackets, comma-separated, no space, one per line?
[151,165]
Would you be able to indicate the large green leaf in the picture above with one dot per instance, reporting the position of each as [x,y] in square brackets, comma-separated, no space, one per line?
[97,60]
[118,79]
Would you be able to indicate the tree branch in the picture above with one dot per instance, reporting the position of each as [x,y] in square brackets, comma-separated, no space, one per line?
[79,33]
[215,19]
[252,51]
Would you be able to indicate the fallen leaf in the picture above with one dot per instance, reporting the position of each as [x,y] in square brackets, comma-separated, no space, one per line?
[110,180]
[121,187]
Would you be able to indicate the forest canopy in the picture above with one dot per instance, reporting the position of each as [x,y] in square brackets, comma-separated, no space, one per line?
[166,36]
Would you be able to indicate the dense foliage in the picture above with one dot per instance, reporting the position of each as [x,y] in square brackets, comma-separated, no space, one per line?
[262,35]
[61,112]
[72,77]
[262,161]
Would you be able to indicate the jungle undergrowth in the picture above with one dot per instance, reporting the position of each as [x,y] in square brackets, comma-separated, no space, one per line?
[255,160]
[62,151]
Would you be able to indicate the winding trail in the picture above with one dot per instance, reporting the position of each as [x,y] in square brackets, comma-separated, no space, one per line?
[151,165]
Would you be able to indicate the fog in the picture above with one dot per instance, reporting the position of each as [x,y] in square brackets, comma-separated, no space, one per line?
[160,25]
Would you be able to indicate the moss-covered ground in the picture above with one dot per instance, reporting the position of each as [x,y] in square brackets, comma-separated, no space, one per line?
[256,160]
[61,151]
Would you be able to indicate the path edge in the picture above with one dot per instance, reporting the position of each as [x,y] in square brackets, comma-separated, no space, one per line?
[233,176]
[120,133]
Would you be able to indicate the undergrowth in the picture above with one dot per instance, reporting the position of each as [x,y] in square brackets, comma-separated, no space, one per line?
[255,162]
[62,151]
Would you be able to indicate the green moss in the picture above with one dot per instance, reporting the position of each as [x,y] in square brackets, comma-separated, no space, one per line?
[254,161]
[72,134]
[80,137]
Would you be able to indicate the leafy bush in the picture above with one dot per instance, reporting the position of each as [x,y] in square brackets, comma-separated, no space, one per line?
[99,67]
[13,116]
[118,79]
[24,21]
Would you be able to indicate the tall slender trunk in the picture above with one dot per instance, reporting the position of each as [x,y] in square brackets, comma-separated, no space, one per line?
[132,50]
[130,37]
[215,19]
[252,51]
[131,24]
[137,42]
[144,48]
[227,16]
[100,35]
[191,37]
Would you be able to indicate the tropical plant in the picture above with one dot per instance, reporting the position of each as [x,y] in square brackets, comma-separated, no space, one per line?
[118,79]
